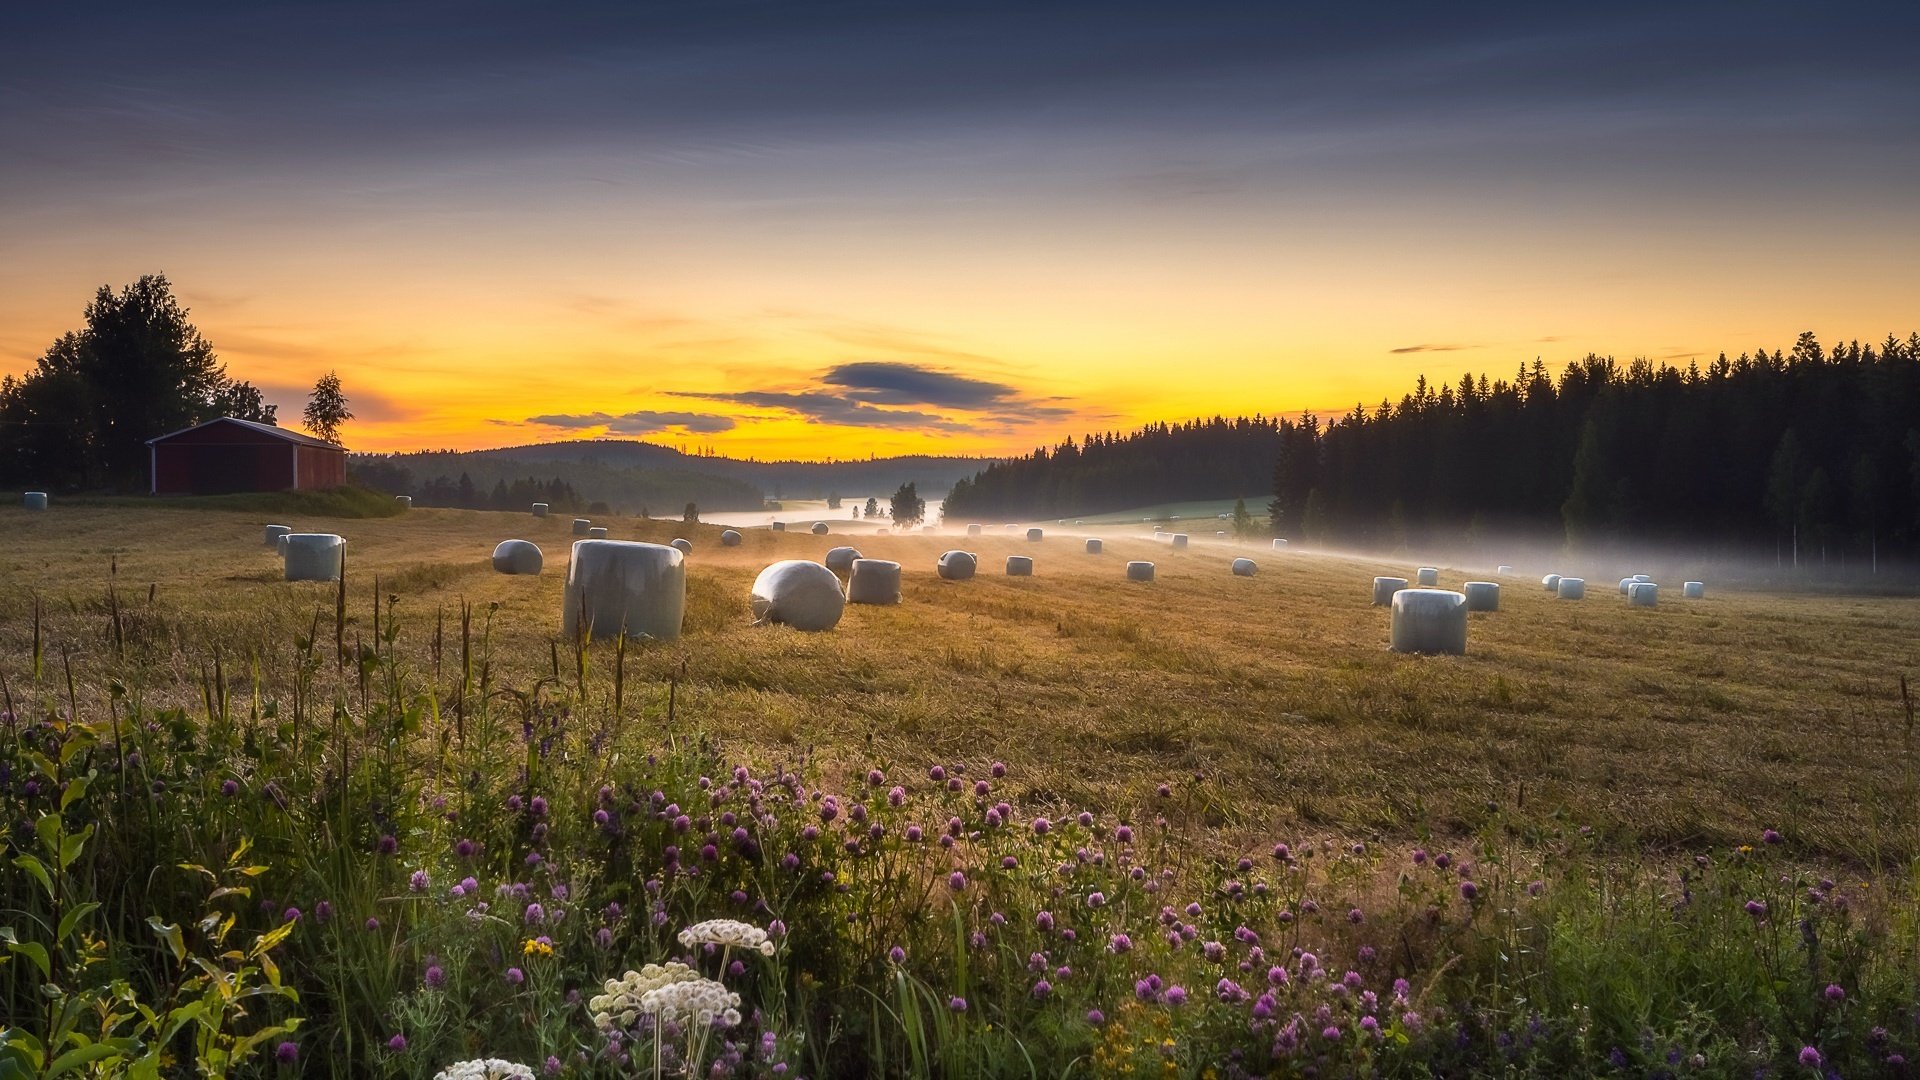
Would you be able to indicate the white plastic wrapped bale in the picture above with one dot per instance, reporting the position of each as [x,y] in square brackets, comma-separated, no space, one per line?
[1179,540]
[1642,577]
[973,530]
[518,557]
[1010,527]
[929,529]
[34,500]
[1220,534]
[1693,590]
[280,544]
[405,501]
[1429,621]
[803,595]
[729,538]
[624,586]
[274,533]
[957,565]
[1644,594]
[819,528]
[840,559]
[1077,523]
[596,532]
[1279,545]
[1503,570]
[1245,568]
[1019,566]
[1035,535]
[1427,576]
[1385,587]
[1551,582]
[1139,570]
[778,526]
[1094,546]
[539,509]
[874,581]
[1481,595]
[685,545]
[580,526]
[1626,583]
[1571,588]
[314,556]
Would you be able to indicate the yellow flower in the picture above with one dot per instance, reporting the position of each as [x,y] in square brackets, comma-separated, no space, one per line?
[535,947]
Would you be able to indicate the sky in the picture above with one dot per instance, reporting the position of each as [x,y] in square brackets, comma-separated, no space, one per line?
[813,230]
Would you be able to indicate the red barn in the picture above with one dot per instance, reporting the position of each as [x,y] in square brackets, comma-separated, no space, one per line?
[227,455]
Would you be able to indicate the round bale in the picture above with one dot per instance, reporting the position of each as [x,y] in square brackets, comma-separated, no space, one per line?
[1245,568]
[1034,535]
[539,509]
[1551,582]
[1019,566]
[1179,541]
[1279,545]
[1094,546]
[275,532]
[803,595]
[34,500]
[518,557]
[1644,594]
[405,501]
[1139,570]
[1693,590]
[1625,584]
[683,544]
[625,586]
[280,544]
[778,526]
[1571,588]
[314,556]
[957,565]
[1385,587]
[597,532]
[840,559]
[874,581]
[580,526]
[1503,570]
[1642,577]
[1481,595]
[729,538]
[1429,621]
[819,528]
[973,530]
[1427,576]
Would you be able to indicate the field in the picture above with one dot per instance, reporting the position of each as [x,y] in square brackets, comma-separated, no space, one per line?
[1586,757]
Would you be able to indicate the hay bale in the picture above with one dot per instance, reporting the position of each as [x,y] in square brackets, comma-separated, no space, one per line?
[1279,545]
[1385,587]
[540,509]
[1625,584]
[616,586]
[819,528]
[580,526]
[973,530]
[275,532]
[1551,582]
[1481,595]
[1644,594]
[1095,547]
[1034,536]
[314,556]
[518,557]
[874,581]
[1019,566]
[34,500]
[1571,588]
[405,501]
[1503,570]
[1641,577]
[803,595]
[1139,570]
[957,565]
[778,526]
[1220,534]
[729,538]
[1429,621]
[597,532]
[1427,576]
[1693,590]
[840,559]
[685,545]
[1245,568]
[280,545]
[1179,541]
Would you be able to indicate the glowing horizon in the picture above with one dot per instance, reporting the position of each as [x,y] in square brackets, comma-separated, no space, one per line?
[881,231]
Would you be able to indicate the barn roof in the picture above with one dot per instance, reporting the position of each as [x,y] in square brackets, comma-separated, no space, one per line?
[263,429]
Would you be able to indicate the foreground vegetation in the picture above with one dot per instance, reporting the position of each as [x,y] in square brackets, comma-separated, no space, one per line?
[1048,826]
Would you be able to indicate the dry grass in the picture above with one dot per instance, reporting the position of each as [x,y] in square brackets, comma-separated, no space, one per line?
[1271,700]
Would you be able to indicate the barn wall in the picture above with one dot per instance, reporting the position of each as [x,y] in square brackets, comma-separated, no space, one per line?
[214,467]
[321,468]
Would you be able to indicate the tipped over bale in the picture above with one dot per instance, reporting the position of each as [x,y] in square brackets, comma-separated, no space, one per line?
[34,500]
[729,538]
[1429,621]
[275,532]
[1427,576]
[840,559]
[1035,535]
[1019,566]
[1481,595]
[803,595]
[874,581]
[973,530]
[518,557]
[314,556]
[957,565]
[1551,582]
[1385,587]
[683,544]
[1139,571]
[1644,594]
[1179,540]
[1245,568]
[819,528]
[1693,590]
[597,532]
[580,526]
[1571,588]
[539,509]
[624,586]
[1095,547]
[1626,583]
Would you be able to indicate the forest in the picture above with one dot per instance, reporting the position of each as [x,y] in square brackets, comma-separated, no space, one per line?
[1807,450]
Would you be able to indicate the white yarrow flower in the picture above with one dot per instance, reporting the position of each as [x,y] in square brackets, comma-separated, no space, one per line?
[623,1002]
[728,933]
[702,1001]
[484,1069]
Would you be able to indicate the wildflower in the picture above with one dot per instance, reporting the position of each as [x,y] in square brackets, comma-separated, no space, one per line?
[484,1069]
[1810,1057]
[1042,989]
[1123,834]
[1044,921]
[292,914]
[1096,1017]
[1096,899]
[539,806]
[323,911]
[1772,837]
[727,933]
[465,849]
[535,914]
[539,946]
[897,954]
[998,770]
[1164,791]
[1008,862]
[1176,995]
[516,976]
[1356,916]
[373,924]
[229,788]
[1756,908]
[936,774]
[1331,1033]
[896,796]
[1041,825]
[389,845]
[1535,888]
[418,881]
[397,1043]
[1085,819]
[1834,992]
[957,881]
[1120,943]
[957,1004]
[288,1053]
[1469,891]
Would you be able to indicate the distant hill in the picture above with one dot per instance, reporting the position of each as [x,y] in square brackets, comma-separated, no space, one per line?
[630,476]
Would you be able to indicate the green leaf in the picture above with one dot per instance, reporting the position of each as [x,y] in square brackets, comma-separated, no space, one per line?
[48,830]
[74,1059]
[169,933]
[20,1055]
[75,791]
[35,952]
[39,871]
[70,847]
[72,919]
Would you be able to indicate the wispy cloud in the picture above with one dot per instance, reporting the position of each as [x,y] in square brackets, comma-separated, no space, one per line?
[638,422]
[1429,348]
[885,393]
[826,408]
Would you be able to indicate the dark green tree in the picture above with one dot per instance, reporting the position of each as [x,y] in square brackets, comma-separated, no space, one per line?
[691,514]
[327,409]
[909,509]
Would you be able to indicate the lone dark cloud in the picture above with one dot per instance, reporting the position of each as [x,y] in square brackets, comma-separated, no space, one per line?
[1430,348]
[853,393]
[885,382]
[824,408]
[640,422]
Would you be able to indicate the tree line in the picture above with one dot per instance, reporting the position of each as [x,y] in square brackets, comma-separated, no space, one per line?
[463,493]
[1809,450]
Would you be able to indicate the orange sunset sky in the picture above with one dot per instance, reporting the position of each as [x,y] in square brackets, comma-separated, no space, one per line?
[880,230]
